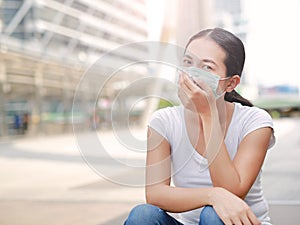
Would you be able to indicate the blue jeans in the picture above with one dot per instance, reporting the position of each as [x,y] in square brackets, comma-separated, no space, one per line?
[147,214]
[208,216]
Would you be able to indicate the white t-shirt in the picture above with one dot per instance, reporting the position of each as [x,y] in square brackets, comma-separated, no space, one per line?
[190,169]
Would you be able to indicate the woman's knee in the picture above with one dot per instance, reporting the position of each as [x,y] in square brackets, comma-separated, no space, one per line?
[209,216]
[143,214]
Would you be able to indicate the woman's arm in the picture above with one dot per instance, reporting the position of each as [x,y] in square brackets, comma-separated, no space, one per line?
[230,208]
[158,176]
[237,175]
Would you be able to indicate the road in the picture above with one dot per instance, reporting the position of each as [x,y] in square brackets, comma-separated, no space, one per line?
[281,173]
[46,180]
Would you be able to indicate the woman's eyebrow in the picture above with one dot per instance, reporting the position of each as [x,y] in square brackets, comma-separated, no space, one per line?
[203,60]
[209,61]
[188,56]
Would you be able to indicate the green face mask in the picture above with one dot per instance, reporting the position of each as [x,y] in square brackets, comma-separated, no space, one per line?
[210,79]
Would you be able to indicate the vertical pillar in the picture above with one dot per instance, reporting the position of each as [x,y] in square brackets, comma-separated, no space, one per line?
[66,89]
[37,105]
[3,90]
[201,13]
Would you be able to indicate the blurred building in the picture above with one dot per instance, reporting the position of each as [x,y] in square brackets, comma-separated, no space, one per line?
[229,14]
[45,47]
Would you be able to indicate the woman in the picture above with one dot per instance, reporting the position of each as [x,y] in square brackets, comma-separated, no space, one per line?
[213,146]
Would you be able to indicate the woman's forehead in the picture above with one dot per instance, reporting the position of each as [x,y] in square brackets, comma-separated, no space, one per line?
[205,48]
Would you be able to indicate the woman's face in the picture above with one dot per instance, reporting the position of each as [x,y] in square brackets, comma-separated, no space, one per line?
[206,54]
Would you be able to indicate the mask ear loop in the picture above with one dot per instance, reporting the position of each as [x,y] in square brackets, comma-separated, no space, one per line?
[224,78]
[221,79]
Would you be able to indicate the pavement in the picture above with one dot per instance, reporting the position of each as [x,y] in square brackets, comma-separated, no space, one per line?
[61,179]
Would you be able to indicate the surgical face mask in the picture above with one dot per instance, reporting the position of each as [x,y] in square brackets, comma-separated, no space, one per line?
[210,79]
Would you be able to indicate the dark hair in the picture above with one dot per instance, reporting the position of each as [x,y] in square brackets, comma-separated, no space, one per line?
[235,57]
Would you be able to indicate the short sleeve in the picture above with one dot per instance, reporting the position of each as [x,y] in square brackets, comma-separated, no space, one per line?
[256,119]
[158,122]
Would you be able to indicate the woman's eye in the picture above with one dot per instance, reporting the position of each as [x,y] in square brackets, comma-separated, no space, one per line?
[187,62]
[207,67]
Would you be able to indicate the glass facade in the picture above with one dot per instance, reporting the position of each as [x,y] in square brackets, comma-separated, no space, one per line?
[45,48]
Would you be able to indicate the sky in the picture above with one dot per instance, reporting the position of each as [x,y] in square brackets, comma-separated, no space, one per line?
[273,40]
[273,43]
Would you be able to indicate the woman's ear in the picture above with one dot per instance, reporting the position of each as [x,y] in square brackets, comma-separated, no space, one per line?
[233,82]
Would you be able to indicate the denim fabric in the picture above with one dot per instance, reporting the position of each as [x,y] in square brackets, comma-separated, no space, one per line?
[208,216]
[147,214]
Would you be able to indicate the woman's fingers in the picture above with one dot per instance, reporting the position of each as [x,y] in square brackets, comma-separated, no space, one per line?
[236,221]
[246,218]
[195,86]
[194,96]
[203,86]
[253,219]
[185,83]
[226,221]
[183,91]
[190,87]
[231,209]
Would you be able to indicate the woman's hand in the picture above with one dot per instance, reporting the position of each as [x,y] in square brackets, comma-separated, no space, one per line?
[196,95]
[231,209]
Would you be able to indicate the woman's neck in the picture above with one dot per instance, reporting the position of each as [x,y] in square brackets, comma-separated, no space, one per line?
[225,112]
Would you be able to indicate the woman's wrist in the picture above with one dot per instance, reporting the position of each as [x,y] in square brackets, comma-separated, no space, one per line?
[212,195]
[210,114]
[210,119]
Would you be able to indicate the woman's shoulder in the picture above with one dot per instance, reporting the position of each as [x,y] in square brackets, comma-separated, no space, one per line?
[251,118]
[248,119]
[166,120]
[253,112]
[168,112]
